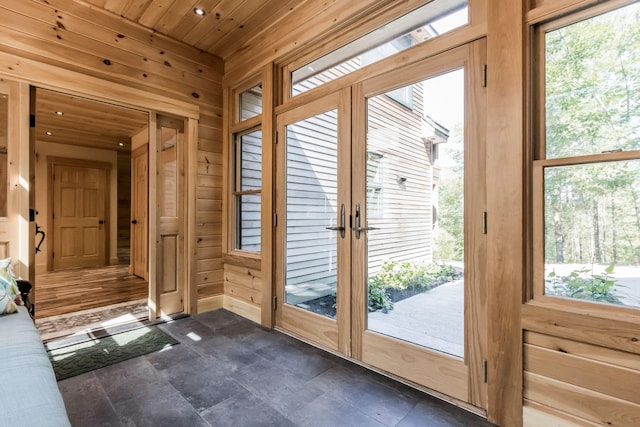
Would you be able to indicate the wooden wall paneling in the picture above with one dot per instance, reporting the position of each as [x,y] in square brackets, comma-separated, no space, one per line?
[52,43]
[610,380]
[244,284]
[585,350]
[536,415]
[580,402]
[608,333]
[505,219]
[146,42]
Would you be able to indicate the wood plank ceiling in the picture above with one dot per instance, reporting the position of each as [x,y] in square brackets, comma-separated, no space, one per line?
[227,25]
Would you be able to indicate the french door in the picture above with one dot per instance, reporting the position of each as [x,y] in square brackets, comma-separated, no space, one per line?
[313,235]
[381,207]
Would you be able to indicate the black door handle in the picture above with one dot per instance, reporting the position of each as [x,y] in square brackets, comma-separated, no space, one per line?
[135,221]
[101,222]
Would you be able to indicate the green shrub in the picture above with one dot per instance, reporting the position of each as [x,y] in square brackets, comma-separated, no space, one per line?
[379,298]
[581,284]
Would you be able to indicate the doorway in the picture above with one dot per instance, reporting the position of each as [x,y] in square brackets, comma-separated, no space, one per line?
[84,204]
[380,239]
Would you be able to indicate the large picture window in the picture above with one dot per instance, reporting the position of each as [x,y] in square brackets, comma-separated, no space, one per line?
[586,167]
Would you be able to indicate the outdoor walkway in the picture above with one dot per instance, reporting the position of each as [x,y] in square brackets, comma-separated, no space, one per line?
[433,319]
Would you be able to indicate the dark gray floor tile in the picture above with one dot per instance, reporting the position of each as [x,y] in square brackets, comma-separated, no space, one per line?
[129,379]
[326,411]
[232,354]
[202,383]
[245,410]
[172,357]
[86,402]
[217,319]
[383,403]
[165,407]
[232,372]
[264,378]
[436,413]
[188,331]
[297,359]
[250,334]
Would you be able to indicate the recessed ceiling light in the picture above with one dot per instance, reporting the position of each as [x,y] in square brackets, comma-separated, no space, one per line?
[48,133]
[60,113]
[199,11]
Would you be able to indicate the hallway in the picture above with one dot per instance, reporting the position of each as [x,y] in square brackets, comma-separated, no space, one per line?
[63,292]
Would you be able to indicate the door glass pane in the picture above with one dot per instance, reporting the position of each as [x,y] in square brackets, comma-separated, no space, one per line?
[415,166]
[311,204]
[592,232]
[169,172]
[4,162]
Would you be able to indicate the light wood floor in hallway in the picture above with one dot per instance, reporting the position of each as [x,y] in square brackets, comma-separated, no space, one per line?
[63,292]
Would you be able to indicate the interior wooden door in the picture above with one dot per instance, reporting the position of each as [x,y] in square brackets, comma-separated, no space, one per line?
[139,211]
[419,209]
[171,203]
[313,238]
[79,213]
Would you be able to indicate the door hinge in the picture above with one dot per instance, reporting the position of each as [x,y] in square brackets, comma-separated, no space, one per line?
[485,371]
[275,220]
[277,136]
[484,222]
[32,120]
[275,302]
[484,75]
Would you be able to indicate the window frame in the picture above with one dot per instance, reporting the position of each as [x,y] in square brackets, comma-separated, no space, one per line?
[539,163]
[236,129]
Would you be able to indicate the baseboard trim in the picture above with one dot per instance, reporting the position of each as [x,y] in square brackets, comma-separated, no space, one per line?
[242,308]
[210,303]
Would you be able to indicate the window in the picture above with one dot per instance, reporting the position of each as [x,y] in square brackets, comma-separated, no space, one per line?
[424,23]
[586,167]
[244,232]
[250,103]
[247,189]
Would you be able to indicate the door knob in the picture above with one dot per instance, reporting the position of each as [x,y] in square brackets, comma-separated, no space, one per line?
[101,222]
[134,222]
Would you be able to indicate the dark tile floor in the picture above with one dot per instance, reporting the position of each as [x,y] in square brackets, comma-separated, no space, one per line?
[227,371]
